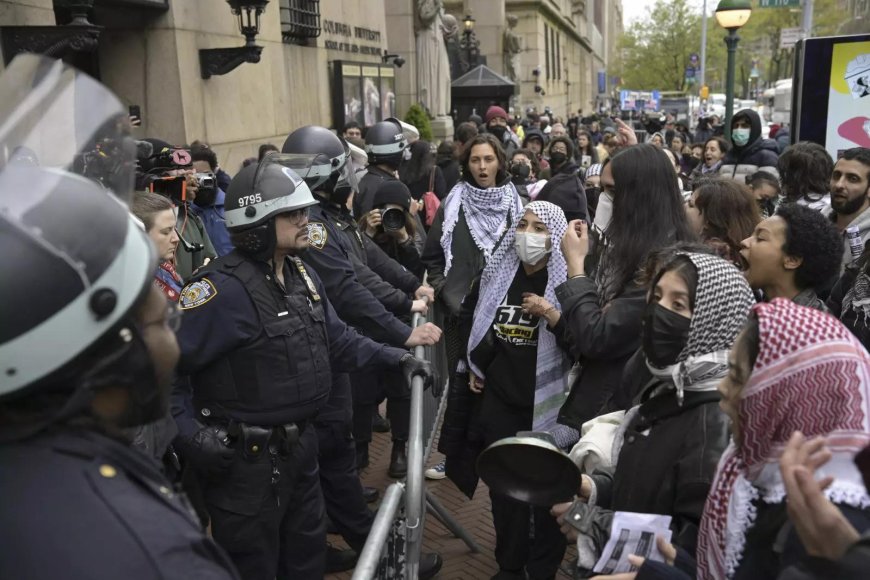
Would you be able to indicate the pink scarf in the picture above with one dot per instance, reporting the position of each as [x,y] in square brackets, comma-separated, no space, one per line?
[811,375]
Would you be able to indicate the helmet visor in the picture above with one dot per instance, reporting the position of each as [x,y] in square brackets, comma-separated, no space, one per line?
[55,117]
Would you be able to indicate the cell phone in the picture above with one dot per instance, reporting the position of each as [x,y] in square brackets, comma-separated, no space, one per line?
[135,115]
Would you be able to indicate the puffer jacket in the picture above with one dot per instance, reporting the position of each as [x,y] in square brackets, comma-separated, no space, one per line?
[757,155]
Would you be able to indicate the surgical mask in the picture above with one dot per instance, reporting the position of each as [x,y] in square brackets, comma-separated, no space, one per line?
[665,335]
[531,248]
[740,137]
[558,158]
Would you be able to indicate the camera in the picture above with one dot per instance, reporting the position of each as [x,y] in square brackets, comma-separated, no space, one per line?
[393,219]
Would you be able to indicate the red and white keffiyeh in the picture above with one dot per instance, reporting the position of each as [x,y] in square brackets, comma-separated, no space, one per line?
[811,375]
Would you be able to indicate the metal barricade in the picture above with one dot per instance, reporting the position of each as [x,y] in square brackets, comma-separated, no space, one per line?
[394,546]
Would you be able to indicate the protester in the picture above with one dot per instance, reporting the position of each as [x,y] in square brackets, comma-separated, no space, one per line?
[445,158]
[524,169]
[421,175]
[805,174]
[592,187]
[586,151]
[602,301]
[352,130]
[723,213]
[534,141]
[766,190]
[850,298]
[513,377]
[850,201]
[558,130]
[564,187]
[750,152]
[471,222]
[715,149]
[657,139]
[697,305]
[157,214]
[791,254]
[496,124]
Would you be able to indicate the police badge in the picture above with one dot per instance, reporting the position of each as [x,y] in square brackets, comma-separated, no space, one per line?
[317,235]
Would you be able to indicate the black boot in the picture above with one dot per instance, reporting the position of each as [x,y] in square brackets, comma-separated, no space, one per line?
[370,494]
[430,564]
[339,560]
[398,461]
[380,424]
[362,455]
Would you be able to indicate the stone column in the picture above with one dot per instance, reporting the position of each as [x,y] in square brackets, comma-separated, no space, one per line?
[401,41]
[489,28]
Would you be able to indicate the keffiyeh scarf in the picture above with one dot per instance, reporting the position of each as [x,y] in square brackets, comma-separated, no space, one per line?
[487,212]
[552,366]
[811,375]
[722,303]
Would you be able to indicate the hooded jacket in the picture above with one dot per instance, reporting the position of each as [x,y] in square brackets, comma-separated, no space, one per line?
[565,189]
[757,155]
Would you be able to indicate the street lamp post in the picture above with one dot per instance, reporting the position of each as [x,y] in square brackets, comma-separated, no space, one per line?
[731,15]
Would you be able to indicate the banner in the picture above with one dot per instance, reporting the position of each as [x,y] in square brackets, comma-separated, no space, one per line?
[849,100]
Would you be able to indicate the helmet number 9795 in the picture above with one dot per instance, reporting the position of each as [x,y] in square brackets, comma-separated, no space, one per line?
[250,199]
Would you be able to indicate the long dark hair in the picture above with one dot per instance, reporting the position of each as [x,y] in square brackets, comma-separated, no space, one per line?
[419,165]
[648,214]
[729,211]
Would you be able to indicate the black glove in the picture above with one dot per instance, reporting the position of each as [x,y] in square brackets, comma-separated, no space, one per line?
[208,450]
[413,367]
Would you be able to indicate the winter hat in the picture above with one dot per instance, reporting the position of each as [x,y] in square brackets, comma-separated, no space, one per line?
[495,111]
[392,191]
[593,170]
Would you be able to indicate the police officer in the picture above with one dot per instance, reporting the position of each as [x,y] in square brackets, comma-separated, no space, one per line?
[386,146]
[257,346]
[87,351]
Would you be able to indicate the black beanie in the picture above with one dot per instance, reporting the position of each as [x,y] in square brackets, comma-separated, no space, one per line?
[392,191]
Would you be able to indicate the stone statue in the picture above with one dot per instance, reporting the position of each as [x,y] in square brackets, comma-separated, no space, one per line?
[433,66]
[451,44]
[512,50]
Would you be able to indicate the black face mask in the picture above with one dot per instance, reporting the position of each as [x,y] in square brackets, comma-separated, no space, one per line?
[592,192]
[498,131]
[665,334]
[520,172]
[558,158]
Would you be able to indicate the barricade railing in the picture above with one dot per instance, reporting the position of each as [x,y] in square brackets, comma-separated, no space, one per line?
[395,543]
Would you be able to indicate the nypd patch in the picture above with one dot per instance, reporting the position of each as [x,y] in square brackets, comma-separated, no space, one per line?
[196,294]
[317,235]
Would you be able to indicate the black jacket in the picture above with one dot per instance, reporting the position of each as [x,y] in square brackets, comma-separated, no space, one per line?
[77,504]
[858,325]
[565,189]
[758,154]
[451,172]
[667,464]
[604,339]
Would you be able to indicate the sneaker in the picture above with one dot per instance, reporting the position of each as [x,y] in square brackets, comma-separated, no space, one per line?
[437,471]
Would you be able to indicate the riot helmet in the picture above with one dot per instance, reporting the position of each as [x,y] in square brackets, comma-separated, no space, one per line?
[386,143]
[323,160]
[82,263]
[256,195]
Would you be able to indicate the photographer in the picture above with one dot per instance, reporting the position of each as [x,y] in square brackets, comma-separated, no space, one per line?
[168,171]
[209,202]
[393,228]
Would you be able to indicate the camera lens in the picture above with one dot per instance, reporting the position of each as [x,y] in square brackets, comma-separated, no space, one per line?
[393,219]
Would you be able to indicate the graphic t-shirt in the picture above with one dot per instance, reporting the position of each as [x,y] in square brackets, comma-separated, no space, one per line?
[511,374]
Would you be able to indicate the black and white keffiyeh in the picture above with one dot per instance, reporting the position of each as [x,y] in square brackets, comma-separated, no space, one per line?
[553,366]
[487,212]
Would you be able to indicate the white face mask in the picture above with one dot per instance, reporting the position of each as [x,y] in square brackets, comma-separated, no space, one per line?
[740,136]
[531,248]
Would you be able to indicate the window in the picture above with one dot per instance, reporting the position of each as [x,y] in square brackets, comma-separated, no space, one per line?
[547,49]
[300,20]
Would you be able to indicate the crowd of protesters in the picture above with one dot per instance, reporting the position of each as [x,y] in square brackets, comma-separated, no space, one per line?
[688,318]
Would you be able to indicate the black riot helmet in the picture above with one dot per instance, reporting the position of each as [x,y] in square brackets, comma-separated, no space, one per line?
[82,263]
[386,143]
[256,195]
[323,160]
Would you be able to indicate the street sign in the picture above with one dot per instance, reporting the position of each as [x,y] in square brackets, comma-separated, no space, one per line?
[788,37]
[778,3]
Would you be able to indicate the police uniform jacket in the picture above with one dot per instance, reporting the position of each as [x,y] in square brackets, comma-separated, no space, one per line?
[256,353]
[331,256]
[391,284]
[79,505]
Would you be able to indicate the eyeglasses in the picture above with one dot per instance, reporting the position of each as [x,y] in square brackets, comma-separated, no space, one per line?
[297,216]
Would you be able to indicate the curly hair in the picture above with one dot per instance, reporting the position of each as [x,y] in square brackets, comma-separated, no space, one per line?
[811,237]
[805,171]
